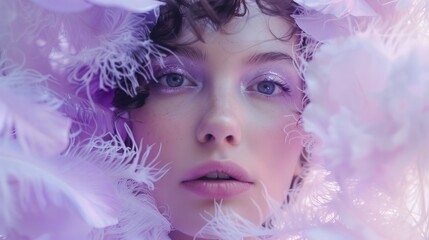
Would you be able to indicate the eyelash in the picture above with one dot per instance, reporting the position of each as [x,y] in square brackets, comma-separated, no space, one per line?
[284,86]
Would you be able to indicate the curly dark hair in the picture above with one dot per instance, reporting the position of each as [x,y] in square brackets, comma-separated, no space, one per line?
[175,15]
[179,13]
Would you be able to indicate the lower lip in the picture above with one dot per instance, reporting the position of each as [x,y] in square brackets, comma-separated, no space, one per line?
[217,189]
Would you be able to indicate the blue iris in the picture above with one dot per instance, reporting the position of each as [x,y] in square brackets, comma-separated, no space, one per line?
[174,80]
[266,87]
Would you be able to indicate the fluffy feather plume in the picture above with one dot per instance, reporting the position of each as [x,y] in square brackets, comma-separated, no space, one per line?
[37,194]
[28,111]
[101,45]
[339,8]
[135,169]
[97,183]
[369,108]
[9,14]
[326,20]
[88,120]
[130,5]
[111,153]
[140,217]
[123,56]
[81,5]
[227,225]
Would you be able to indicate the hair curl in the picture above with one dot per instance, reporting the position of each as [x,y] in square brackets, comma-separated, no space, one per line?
[177,14]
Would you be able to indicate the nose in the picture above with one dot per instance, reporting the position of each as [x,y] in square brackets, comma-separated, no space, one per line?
[220,122]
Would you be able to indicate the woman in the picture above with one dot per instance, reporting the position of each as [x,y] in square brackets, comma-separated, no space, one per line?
[215,91]
[222,104]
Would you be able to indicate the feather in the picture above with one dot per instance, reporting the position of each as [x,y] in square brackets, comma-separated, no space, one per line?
[39,129]
[67,6]
[111,153]
[327,20]
[28,111]
[332,232]
[119,56]
[339,8]
[228,225]
[135,173]
[64,5]
[94,50]
[138,6]
[323,27]
[140,217]
[9,14]
[88,120]
[366,122]
[36,193]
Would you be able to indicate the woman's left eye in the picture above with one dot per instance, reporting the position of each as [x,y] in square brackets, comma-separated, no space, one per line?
[269,87]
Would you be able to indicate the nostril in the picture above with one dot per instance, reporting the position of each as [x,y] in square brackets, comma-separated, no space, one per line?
[209,137]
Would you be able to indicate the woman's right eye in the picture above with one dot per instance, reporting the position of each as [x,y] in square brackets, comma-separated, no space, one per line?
[175,80]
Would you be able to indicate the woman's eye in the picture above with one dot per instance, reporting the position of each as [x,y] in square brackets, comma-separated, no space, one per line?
[266,87]
[175,80]
[269,87]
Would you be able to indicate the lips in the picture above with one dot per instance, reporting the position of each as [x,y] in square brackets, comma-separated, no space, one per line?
[217,180]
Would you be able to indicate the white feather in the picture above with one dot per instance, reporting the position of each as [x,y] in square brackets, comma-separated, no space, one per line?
[124,53]
[48,188]
[131,5]
[39,129]
[28,111]
[140,217]
[112,154]
[228,225]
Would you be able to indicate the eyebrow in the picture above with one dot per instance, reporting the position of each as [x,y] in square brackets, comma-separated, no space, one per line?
[191,53]
[198,55]
[268,57]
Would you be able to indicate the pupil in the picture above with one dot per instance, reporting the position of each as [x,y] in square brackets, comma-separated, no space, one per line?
[174,80]
[266,87]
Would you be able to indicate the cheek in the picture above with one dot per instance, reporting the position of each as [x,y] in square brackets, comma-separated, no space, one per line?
[154,125]
[277,173]
[278,158]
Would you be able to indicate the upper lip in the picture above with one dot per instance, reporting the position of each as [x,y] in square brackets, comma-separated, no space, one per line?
[226,167]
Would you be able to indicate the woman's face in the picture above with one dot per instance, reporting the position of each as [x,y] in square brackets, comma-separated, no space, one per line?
[225,112]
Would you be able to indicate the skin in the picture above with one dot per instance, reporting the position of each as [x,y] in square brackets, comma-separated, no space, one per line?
[221,113]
